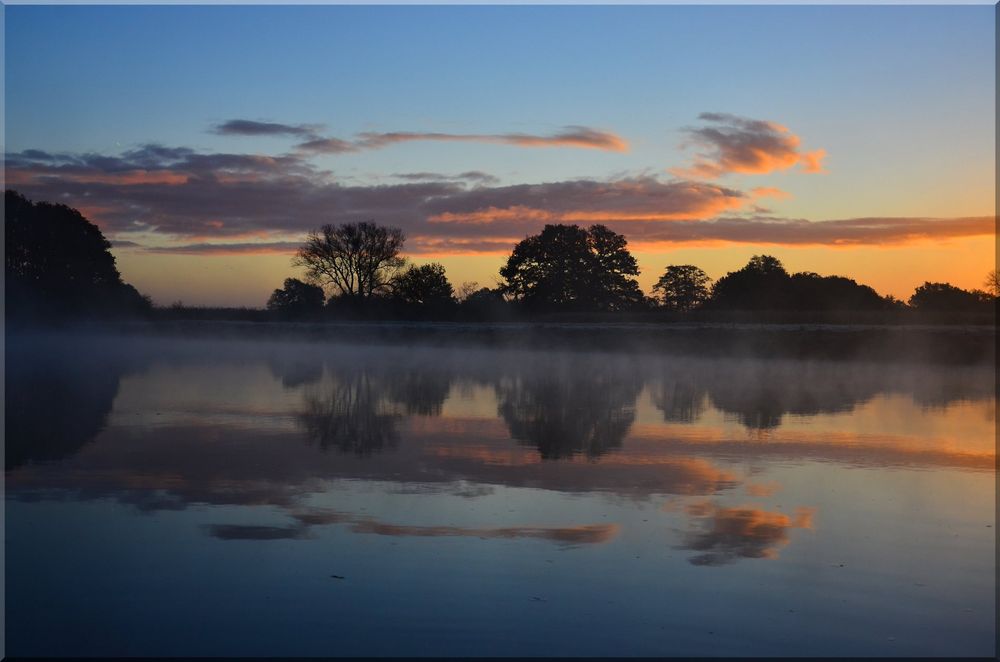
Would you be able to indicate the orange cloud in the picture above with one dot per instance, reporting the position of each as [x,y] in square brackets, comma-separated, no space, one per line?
[751,147]
[769,192]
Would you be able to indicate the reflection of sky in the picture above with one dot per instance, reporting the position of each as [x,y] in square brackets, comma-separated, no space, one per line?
[829,533]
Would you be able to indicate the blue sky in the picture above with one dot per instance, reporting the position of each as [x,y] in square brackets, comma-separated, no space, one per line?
[900,98]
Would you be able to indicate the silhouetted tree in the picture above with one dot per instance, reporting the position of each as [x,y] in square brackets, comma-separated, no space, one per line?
[568,268]
[485,304]
[992,283]
[353,259]
[58,263]
[757,286]
[944,297]
[810,291]
[296,299]
[682,287]
[425,285]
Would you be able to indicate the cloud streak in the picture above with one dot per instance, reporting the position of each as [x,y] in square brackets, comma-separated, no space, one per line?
[732,144]
[239,127]
[222,203]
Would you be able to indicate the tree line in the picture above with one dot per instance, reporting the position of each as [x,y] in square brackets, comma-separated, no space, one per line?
[58,265]
[356,269]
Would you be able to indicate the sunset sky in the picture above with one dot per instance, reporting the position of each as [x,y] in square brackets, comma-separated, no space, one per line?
[206,141]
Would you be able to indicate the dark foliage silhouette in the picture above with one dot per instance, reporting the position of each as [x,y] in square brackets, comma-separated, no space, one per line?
[944,297]
[682,287]
[58,264]
[296,300]
[426,285]
[567,268]
[757,286]
[352,259]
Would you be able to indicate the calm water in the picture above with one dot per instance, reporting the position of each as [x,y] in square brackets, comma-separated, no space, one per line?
[234,498]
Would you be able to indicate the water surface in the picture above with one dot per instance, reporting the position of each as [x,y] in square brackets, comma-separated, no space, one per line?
[169,497]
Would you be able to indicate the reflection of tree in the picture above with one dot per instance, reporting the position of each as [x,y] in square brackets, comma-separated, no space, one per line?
[295,372]
[351,415]
[58,397]
[680,397]
[582,410]
[421,390]
[760,394]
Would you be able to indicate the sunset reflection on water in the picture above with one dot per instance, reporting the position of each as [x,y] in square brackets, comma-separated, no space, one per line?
[848,507]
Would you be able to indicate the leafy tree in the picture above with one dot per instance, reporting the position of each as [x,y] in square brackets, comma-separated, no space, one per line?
[946,297]
[352,259]
[757,286]
[682,287]
[58,263]
[810,291]
[568,268]
[296,299]
[425,285]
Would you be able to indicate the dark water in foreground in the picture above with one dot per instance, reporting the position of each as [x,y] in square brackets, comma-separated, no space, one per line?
[196,498]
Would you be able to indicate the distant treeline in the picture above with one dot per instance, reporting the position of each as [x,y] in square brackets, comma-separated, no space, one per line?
[355,271]
[59,266]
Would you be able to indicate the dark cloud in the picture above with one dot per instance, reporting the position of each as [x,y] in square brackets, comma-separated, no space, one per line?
[571,136]
[471,175]
[741,145]
[328,146]
[265,203]
[251,128]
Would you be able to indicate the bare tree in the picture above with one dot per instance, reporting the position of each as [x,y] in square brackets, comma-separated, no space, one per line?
[352,259]
[992,283]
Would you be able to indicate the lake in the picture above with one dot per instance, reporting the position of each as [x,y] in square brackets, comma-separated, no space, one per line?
[176,497]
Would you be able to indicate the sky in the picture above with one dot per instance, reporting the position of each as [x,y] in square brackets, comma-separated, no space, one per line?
[206,141]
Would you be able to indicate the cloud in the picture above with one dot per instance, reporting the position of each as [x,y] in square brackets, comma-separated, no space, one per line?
[571,136]
[251,128]
[734,144]
[215,203]
[328,146]
[280,247]
[471,175]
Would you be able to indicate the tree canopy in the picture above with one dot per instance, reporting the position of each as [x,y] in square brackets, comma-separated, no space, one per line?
[682,287]
[296,299]
[566,267]
[425,285]
[944,297]
[58,263]
[352,259]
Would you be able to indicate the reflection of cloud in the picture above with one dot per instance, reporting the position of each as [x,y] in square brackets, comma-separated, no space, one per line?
[742,532]
[762,489]
[737,144]
[571,535]
[250,532]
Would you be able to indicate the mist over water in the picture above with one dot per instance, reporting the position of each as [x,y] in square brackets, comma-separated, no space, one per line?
[198,497]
